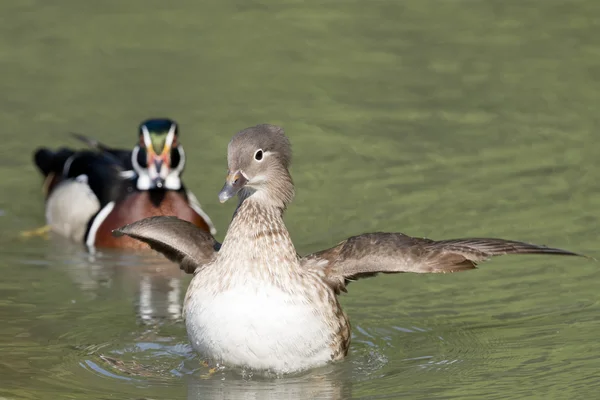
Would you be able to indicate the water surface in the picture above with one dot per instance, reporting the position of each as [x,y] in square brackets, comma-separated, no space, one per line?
[435,118]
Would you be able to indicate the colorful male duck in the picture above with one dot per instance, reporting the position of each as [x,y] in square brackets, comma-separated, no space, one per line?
[253,301]
[91,192]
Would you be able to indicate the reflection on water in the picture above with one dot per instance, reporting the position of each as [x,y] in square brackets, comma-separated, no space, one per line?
[136,336]
[159,298]
[158,285]
[157,351]
[326,385]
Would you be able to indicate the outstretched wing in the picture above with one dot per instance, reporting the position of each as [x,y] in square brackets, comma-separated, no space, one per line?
[372,253]
[178,240]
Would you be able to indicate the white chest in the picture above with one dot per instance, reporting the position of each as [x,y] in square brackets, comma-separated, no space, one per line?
[256,324]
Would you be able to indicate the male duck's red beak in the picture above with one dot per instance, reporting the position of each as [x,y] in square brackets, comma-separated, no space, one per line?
[159,165]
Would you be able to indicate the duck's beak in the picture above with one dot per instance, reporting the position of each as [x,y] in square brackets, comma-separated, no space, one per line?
[233,184]
[159,166]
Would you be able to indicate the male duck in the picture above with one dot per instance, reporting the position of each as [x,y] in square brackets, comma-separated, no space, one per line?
[253,301]
[91,192]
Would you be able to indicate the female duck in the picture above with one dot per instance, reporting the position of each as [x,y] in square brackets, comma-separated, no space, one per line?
[253,302]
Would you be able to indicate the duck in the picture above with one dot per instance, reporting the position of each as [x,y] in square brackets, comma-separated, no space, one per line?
[253,302]
[90,192]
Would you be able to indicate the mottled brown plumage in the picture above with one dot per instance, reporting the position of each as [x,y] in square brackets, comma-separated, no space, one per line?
[253,301]
[367,255]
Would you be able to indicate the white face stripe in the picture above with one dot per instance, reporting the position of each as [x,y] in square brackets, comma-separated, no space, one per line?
[134,154]
[146,134]
[181,165]
[170,136]
[173,179]
[143,180]
[169,139]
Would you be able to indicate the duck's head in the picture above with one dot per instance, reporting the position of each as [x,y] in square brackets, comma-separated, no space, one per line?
[158,158]
[258,159]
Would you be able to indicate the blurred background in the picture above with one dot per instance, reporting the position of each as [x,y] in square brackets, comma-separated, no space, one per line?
[434,118]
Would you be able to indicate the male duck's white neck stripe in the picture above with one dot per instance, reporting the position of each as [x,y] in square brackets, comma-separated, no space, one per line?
[195,205]
[146,135]
[100,217]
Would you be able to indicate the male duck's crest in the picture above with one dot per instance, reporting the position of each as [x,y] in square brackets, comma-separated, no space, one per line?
[91,192]
[255,303]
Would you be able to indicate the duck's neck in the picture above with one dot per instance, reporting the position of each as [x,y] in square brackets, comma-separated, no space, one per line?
[276,191]
[257,237]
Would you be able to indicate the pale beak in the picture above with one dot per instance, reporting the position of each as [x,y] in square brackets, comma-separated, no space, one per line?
[233,184]
[158,166]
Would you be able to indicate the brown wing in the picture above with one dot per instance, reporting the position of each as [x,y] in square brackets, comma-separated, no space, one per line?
[178,240]
[372,253]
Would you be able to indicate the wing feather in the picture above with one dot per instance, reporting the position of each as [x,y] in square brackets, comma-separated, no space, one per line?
[373,253]
[178,240]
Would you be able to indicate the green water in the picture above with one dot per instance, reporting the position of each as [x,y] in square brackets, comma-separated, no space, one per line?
[436,118]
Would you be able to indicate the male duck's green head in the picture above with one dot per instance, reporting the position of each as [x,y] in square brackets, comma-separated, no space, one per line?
[158,159]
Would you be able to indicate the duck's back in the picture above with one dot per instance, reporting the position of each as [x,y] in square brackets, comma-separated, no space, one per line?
[78,184]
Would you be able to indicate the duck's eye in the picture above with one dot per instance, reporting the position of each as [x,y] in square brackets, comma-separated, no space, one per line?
[258,156]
